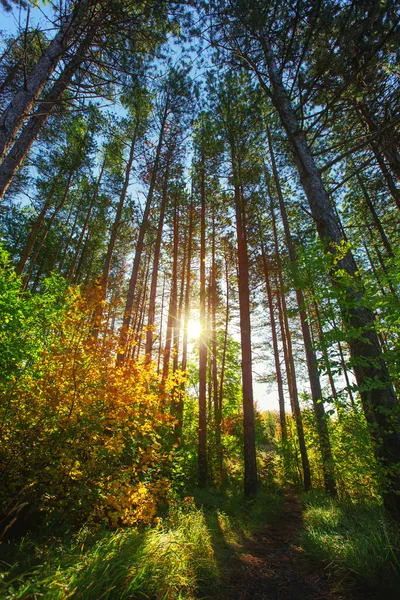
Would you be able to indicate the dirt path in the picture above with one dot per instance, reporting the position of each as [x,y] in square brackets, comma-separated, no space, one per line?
[270,566]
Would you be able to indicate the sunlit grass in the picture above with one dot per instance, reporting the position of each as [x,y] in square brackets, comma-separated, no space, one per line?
[356,539]
[184,556]
[167,562]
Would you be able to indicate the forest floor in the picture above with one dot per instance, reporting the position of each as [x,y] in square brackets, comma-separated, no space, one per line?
[270,564]
[217,545]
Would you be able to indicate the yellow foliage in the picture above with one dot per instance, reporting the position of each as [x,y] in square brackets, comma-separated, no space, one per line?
[86,432]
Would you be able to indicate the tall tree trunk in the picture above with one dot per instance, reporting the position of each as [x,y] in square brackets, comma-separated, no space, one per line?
[375,217]
[140,241]
[48,225]
[278,371]
[12,162]
[180,304]
[202,442]
[187,290]
[289,362]
[324,347]
[223,361]
[23,101]
[142,312]
[173,301]
[87,219]
[214,366]
[379,402]
[389,151]
[156,263]
[114,235]
[160,331]
[35,229]
[250,463]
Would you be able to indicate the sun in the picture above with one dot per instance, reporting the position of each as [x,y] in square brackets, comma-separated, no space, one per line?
[194,329]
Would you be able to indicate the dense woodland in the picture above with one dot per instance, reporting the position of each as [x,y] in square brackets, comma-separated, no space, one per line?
[197,200]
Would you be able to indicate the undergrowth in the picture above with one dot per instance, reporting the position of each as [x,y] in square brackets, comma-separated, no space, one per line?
[357,540]
[178,558]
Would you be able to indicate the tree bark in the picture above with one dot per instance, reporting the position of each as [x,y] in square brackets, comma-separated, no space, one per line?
[22,145]
[23,101]
[156,263]
[187,291]
[87,219]
[281,396]
[250,463]
[289,362]
[140,241]
[202,442]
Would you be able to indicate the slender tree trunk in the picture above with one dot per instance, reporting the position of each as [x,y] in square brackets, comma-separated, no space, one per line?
[187,291]
[214,300]
[250,463]
[156,263]
[278,371]
[390,152]
[140,240]
[202,442]
[180,304]
[142,313]
[35,229]
[160,331]
[374,216]
[171,324]
[322,341]
[42,240]
[87,219]
[113,236]
[223,362]
[312,365]
[59,249]
[289,362]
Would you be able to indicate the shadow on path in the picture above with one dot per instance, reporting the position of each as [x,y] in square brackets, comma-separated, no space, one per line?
[268,565]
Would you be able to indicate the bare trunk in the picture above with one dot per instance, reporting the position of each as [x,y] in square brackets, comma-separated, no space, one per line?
[202,442]
[140,242]
[154,276]
[250,463]
[171,324]
[278,371]
[289,362]
[86,222]
[187,291]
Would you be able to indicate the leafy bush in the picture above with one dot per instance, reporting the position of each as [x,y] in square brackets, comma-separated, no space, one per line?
[82,437]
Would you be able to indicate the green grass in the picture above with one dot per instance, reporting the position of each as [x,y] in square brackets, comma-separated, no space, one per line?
[357,540]
[184,556]
[164,562]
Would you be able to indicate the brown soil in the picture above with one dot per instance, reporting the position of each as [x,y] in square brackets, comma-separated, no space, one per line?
[271,565]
